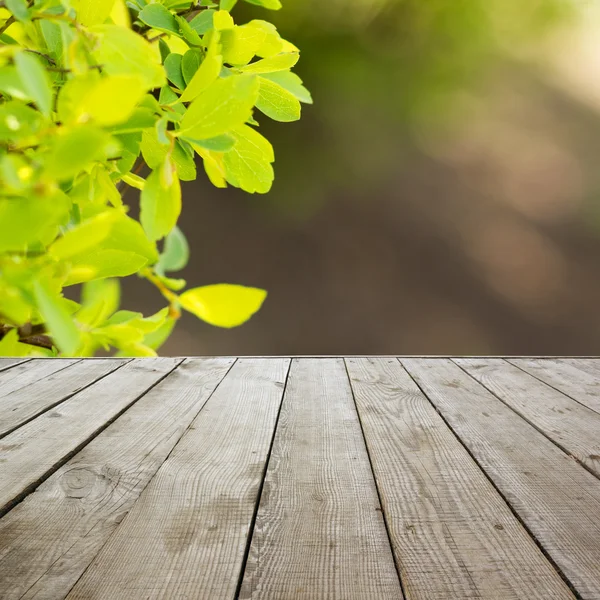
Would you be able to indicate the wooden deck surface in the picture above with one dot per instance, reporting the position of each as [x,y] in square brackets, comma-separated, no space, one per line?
[300,478]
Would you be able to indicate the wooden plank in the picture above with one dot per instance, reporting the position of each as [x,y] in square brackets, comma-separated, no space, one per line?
[7,363]
[27,402]
[48,540]
[574,427]
[22,375]
[319,531]
[572,381]
[186,535]
[32,452]
[557,499]
[453,535]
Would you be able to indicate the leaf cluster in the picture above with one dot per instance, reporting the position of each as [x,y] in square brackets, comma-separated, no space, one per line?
[94,93]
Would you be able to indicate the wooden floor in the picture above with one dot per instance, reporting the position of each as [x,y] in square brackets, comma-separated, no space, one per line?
[304,478]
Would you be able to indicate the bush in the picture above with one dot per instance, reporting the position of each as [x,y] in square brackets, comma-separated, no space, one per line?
[95,92]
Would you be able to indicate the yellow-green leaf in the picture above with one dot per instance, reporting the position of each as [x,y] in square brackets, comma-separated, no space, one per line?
[248,163]
[75,150]
[206,74]
[92,12]
[279,62]
[35,80]
[160,201]
[57,319]
[223,305]
[121,51]
[83,237]
[224,105]
[108,100]
[276,102]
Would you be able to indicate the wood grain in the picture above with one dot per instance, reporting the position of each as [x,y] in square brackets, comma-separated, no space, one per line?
[22,375]
[48,540]
[27,402]
[319,531]
[32,452]
[581,385]
[186,535]
[7,363]
[453,535]
[574,427]
[557,499]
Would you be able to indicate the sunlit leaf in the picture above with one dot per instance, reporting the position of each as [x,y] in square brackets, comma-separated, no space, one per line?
[223,305]
[276,102]
[35,80]
[224,105]
[160,201]
[175,254]
[57,318]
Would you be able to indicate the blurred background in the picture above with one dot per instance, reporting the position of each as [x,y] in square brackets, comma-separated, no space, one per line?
[442,196]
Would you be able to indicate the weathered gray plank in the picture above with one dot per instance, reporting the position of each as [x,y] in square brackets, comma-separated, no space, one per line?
[30,453]
[319,531]
[48,540]
[556,498]
[453,535]
[186,535]
[574,427]
[579,384]
[22,375]
[23,404]
[7,363]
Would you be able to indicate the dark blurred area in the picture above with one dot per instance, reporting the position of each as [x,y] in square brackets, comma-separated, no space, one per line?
[442,196]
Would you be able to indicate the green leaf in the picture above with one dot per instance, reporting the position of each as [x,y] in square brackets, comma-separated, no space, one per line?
[160,202]
[100,299]
[142,118]
[56,317]
[224,105]
[35,81]
[25,221]
[83,237]
[121,51]
[18,8]
[10,345]
[92,12]
[174,71]
[76,150]
[292,83]
[18,122]
[221,143]
[279,62]
[11,84]
[223,305]
[276,102]
[53,38]
[228,4]
[154,154]
[189,64]
[203,21]
[159,336]
[158,17]
[222,20]
[108,100]
[164,49]
[207,73]
[248,163]
[188,33]
[271,4]
[104,263]
[127,235]
[175,254]
[241,43]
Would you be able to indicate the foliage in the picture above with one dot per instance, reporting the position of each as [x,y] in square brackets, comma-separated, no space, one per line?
[95,92]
